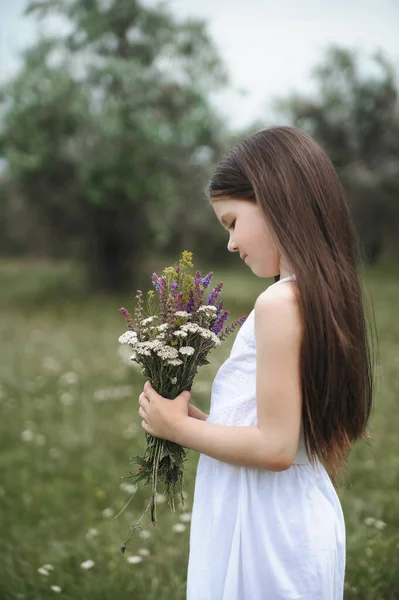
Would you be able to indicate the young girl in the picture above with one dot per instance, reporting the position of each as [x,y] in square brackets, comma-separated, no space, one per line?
[293,396]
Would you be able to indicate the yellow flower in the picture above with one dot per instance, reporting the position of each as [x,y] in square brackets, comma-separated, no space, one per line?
[186,260]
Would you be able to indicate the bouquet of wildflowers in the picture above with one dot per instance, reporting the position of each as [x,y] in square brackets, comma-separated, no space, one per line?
[171,335]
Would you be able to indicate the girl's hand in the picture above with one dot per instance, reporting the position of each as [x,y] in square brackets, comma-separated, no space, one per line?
[196,413]
[162,417]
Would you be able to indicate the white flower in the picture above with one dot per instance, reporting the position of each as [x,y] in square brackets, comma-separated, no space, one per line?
[167,352]
[92,533]
[56,588]
[202,331]
[155,344]
[129,337]
[207,308]
[163,327]
[129,488]
[48,567]
[179,527]
[43,571]
[180,333]
[66,398]
[143,348]
[134,560]
[185,517]
[130,431]
[108,513]
[160,498]
[192,328]
[148,320]
[88,564]
[69,378]
[189,350]
[209,335]
[51,364]
[145,534]
[112,393]
[175,362]
[27,435]
[54,453]
[173,380]
[376,522]
[143,552]
[208,311]
[181,314]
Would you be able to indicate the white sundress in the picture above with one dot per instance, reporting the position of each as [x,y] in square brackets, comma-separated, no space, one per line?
[259,534]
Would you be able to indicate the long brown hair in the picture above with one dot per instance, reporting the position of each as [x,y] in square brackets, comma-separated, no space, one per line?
[291,178]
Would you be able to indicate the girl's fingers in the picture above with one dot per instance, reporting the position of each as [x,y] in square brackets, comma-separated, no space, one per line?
[142,412]
[143,399]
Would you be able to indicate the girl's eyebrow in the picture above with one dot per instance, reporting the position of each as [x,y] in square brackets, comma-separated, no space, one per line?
[225,219]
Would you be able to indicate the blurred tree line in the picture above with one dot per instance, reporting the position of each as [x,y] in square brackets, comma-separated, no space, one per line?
[108,138]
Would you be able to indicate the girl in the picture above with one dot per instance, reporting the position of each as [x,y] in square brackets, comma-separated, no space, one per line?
[295,393]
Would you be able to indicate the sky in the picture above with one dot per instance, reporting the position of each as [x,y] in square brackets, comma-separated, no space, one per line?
[268,46]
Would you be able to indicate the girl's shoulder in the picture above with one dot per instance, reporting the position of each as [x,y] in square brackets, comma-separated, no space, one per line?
[277,293]
[277,310]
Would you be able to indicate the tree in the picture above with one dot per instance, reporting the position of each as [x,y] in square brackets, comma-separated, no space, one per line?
[355,117]
[102,130]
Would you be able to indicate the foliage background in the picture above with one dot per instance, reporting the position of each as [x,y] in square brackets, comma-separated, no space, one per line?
[108,138]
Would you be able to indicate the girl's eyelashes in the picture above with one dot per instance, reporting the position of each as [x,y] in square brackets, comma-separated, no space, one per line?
[231,226]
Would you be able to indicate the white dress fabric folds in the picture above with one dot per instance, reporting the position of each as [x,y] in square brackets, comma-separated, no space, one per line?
[258,534]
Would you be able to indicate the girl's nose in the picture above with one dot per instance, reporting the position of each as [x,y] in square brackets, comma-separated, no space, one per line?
[232,246]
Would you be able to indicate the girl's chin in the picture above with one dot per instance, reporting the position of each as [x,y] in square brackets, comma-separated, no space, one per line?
[264,273]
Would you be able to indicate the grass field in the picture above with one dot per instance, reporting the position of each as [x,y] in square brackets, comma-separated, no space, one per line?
[69,422]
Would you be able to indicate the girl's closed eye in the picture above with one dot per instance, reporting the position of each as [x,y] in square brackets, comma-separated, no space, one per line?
[231,226]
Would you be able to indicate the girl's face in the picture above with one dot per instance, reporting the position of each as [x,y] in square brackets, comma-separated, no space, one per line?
[249,235]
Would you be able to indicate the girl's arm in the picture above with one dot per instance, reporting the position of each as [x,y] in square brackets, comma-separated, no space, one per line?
[273,442]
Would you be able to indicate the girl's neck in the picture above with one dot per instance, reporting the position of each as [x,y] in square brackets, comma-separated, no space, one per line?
[285,271]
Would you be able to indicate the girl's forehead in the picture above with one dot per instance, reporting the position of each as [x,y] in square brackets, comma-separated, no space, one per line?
[224,203]
[223,207]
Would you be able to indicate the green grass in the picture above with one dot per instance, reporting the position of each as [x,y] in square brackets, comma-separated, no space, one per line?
[69,422]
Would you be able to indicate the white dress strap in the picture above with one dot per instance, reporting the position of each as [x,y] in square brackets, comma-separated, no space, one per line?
[288,278]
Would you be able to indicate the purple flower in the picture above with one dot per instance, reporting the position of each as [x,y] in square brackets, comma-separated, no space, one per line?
[190,304]
[128,317]
[205,281]
[139,306]
[238,322]
[219,308]
[219,324]
[195,298]
[155,281]
[178,301]
[161,286]
[215,293]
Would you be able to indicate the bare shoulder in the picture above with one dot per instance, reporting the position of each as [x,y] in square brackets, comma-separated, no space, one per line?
[277,312]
